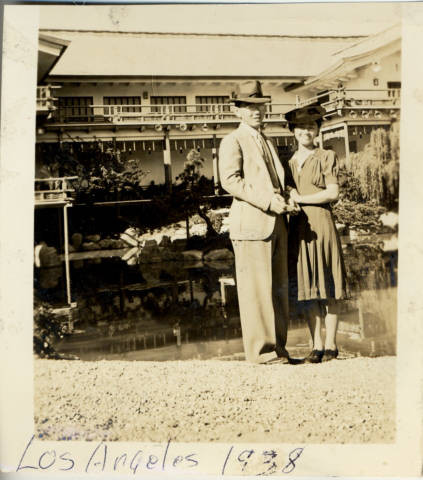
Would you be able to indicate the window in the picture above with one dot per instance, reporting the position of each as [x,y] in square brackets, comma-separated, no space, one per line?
[394,89]
[203,102]
[159,101]
[75,109]
[131,101]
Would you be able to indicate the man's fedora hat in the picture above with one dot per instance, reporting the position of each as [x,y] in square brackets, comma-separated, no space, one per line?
[249,92]
[309,113]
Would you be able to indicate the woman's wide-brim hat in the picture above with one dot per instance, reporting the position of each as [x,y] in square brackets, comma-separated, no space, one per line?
[249,92]
[309,113]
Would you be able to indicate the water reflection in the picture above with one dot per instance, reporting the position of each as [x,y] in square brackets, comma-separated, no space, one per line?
[174,310]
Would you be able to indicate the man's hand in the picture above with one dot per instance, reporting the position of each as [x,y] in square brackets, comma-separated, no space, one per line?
[278,204]
[293,207]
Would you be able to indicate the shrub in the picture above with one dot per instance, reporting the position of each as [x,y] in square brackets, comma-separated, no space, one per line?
[48,327]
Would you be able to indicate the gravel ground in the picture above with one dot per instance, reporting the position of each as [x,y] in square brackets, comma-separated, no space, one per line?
[343,401]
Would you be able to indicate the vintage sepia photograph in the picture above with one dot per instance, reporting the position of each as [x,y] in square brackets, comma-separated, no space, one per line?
[216,198]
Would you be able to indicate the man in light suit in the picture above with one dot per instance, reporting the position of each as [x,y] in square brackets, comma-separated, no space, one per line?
[250,170]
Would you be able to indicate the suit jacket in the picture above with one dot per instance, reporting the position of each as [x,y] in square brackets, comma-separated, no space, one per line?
[244,174]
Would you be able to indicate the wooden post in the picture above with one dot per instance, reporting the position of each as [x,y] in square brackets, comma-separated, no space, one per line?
[187,226]
[222,292]
[320,139]
[66,242]
[121,298]
[191,291]
[360,318]
[347,144]
[167,161]
[215,166]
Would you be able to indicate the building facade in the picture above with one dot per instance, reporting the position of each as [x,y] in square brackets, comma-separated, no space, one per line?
[154,97]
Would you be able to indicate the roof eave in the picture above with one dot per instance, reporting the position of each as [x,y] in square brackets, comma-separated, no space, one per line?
[345,64]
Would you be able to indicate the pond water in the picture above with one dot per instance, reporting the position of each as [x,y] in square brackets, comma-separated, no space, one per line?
[174,310]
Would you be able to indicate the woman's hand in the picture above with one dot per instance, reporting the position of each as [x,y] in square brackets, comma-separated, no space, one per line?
[295,196]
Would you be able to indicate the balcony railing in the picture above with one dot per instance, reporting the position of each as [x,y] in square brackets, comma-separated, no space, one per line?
[46,102]
[181,114]
[334,100]
[53,190]
[357,99]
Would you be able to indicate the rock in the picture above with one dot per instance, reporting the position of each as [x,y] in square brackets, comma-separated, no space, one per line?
[150,250]
[198,229]
[196,219]
[165,241]
[76,240]
[48,256]
[117,243]
[192,255]
[179,244]
[132,232]
[49,277]
[90,246]
[131,252]
[150,243]
[172,255]
[106,243]
[150,254]
[180,234]
[342,228]
[129,239]
[391,244]
[389,219]
[92,238]
[222,254]
[132,261]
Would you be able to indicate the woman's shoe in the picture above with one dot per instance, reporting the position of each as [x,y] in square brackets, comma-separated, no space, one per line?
[329,355]
[315,356]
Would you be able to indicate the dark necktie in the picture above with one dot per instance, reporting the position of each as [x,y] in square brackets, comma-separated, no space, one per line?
[268,157]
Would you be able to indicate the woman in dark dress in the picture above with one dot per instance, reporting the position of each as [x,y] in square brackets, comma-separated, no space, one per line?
[321,277]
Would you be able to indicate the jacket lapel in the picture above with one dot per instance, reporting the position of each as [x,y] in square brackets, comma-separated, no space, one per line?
[278,166]
[257,154]
[252,147]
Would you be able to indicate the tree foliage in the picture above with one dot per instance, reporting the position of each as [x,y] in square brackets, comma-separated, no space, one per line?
[189,194]
[377,167]
[103,171]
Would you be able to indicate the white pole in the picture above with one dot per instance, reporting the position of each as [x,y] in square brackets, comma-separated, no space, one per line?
[66,235]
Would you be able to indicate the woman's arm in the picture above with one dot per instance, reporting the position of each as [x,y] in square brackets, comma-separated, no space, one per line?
[329,194]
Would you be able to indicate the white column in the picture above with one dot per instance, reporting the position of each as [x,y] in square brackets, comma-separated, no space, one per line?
[215,166]
[167,162]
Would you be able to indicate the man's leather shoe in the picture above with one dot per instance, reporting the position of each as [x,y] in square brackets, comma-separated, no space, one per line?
[278,361]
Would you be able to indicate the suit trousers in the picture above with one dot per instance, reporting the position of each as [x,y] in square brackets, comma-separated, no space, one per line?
[262,285]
